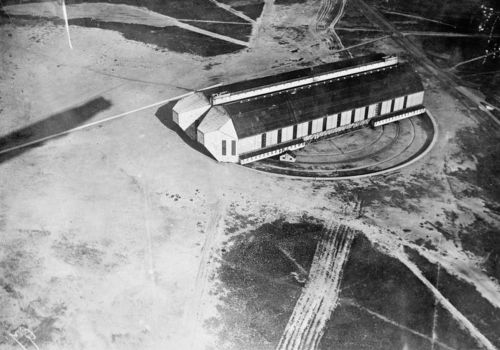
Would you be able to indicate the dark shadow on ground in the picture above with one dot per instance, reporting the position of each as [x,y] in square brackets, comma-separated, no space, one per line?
[164,115]
[169,38]
[52,125]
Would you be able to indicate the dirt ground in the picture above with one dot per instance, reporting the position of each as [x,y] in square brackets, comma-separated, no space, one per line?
[120,236]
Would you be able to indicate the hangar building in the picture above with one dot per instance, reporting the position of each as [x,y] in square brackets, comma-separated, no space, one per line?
[259,118]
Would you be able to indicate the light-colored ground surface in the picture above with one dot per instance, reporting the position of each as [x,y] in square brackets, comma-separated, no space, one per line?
[102,231]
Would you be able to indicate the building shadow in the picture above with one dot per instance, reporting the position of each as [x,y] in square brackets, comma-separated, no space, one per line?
[53,125]
[165,116]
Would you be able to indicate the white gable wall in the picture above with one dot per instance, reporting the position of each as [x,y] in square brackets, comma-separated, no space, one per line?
[189,109]
[213,142]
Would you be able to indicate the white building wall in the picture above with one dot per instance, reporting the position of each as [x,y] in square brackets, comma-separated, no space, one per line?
[359,114]
[317,125]
[272,138]
[185,119]
[386,107]
[249,144]
[331,122]
[372,110]
[398,105]
[345,118]
[287,134]
[302,129]
[213,143]
[415,99]
[229,130]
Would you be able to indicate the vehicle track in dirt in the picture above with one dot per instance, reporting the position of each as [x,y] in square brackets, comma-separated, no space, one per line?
[320,295]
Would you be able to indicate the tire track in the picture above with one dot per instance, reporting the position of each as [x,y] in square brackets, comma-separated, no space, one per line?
[193,317]
[319,297]
[329,14]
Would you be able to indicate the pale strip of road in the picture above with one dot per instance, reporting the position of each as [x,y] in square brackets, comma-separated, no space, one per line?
[476,59]
[422,33]
[209,21]
[232,10]
[417,17]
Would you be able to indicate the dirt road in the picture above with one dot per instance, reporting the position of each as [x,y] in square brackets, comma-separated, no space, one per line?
[320,295]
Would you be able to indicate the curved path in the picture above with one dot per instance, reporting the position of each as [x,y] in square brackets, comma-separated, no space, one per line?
[368,152]
[386,138]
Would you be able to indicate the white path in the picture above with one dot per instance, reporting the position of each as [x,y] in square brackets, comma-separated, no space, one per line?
[210,21]
[319,297]
[396,324]
[455,313]
[417,17]
[329,8]
[492,53]
[232,10]
[265,20]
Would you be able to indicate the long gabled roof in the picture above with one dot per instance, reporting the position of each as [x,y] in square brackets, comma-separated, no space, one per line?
[269,112]
[296,74]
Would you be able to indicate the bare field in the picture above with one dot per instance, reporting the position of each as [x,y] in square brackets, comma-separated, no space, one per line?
[124,236]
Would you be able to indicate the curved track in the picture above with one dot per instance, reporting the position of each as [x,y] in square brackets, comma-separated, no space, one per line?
[379,151]
[379,136]
[415,137]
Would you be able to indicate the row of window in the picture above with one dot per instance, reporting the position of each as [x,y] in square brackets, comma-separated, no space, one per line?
[377,112]
[233,148]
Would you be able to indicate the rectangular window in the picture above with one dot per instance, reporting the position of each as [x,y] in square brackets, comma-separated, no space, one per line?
[279,136]
[223,147]
[339,120]
[325,119]
[367,108]
[393,102]
[233,148]
[405,102]
[263,140]
[294,132]
[353,115]
[310,128]
[378,108]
